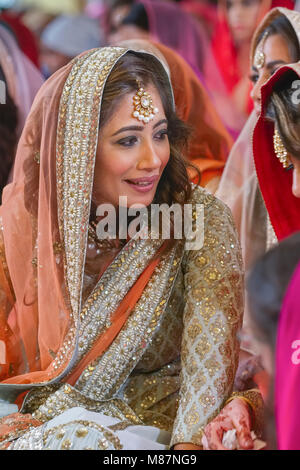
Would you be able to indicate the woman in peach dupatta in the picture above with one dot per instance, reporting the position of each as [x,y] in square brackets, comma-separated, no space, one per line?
[133,346]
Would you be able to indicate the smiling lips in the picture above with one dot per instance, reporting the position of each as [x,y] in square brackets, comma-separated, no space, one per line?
[144,184]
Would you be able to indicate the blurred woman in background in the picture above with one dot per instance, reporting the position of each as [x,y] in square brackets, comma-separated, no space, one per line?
[275,43]
[21,82]
[237,22]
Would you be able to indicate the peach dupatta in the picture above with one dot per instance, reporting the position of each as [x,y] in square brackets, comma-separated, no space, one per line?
[117,319]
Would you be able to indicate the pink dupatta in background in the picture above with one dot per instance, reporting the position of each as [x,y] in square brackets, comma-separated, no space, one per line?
[287,378]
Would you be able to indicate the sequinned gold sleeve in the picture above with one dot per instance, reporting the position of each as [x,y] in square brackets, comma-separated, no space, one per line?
[213,280]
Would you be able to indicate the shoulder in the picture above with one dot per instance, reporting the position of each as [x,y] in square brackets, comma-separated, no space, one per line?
[217,247]
[212,225]
[210,203]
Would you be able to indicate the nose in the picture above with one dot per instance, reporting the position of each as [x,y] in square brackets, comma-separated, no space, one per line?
[256,93]
[296,180]
[149,159]
[238,12]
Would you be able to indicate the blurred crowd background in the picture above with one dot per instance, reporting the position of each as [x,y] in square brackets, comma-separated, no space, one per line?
[207,47]
[213,37]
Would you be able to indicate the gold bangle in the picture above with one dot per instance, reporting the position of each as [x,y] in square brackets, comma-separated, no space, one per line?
[242,398]
[229,400]
[245,400]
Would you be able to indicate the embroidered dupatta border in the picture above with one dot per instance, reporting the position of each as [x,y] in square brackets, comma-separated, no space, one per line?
[77,138]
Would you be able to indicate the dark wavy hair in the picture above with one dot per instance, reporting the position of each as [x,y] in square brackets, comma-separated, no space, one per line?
[137,16]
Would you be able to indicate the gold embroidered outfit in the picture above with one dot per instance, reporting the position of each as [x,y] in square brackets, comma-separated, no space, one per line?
[172,369]
[172,365]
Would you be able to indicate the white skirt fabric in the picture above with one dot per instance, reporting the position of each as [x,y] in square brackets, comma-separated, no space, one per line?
[79,429]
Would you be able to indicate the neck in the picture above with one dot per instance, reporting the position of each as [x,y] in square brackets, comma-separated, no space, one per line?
[119,222]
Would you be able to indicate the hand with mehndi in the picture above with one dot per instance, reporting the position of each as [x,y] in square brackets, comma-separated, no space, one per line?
[235,415]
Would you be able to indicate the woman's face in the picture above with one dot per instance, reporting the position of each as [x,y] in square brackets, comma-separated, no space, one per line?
[131,155]
[276,52]
[242,18]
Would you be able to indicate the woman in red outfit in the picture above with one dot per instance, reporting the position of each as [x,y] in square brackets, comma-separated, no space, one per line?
[236,24]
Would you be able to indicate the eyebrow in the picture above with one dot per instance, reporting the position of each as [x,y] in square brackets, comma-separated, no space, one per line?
[139,128]
[271,64]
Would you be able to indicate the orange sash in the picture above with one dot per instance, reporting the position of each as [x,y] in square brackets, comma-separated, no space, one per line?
[117,319]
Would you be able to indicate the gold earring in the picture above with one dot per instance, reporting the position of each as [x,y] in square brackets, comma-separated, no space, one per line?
[259,56]
[36,157]
[280,149]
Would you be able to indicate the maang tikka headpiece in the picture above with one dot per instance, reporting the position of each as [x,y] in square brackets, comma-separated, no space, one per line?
[280,150]
[259,56]
[143,105]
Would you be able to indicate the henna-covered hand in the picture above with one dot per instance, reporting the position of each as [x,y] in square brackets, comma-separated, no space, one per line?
[235,415]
